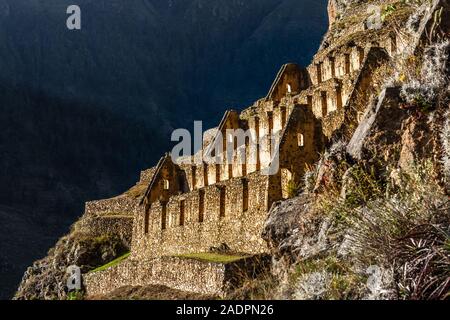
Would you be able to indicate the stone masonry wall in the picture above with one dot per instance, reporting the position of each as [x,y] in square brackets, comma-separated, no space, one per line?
[184,274]
[121,226]
[147,175]
[121,205]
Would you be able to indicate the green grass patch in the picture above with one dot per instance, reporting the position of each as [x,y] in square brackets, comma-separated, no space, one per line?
[75,295]
[213,257]
[112,263]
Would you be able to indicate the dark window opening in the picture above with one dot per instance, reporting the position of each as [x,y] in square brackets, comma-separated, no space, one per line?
[146,221]
[164,216]
[324,104]
[245,196]
[339,98]
[347,63]
[246,152]
[319,72]
[258,158]
[182,212]
[194,177]
[222,202]
[333,68]
[217,172]
[270,116]
[201,206]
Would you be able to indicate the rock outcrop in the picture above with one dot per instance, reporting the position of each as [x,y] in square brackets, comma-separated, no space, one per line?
[377,196]
[46,279]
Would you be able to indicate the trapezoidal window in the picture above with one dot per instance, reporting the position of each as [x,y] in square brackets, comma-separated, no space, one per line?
[163,216]
[146,221]
[300,140]
[339,98]
[270,119]
[201,206]
[194,177]
[166,184]
[332,67]
[347,63]
[319,72]
[205,174]
[217,172]
[360,56]
[289,88]
[324,103]
[245,196]
[222,202]
[182,212]
[258,157]
[244,159]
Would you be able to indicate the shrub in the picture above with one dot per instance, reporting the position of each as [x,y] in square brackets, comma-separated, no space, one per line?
[408,228]
[427,88]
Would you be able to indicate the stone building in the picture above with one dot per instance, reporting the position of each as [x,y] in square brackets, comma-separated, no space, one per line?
[194,204]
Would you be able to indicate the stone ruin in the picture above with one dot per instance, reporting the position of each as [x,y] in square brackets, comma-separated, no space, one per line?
[191,207]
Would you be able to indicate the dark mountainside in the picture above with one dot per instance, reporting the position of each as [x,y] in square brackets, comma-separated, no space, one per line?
[83,112]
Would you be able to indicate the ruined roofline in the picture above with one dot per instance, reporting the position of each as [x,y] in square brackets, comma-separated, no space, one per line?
[220,128]
[276,81]
[291,77]
[154,178]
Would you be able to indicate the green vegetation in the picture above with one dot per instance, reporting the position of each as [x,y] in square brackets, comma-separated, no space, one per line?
[112,263]
[293,188]
[345,283]
[213,257]
[387,11]
[400,221]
